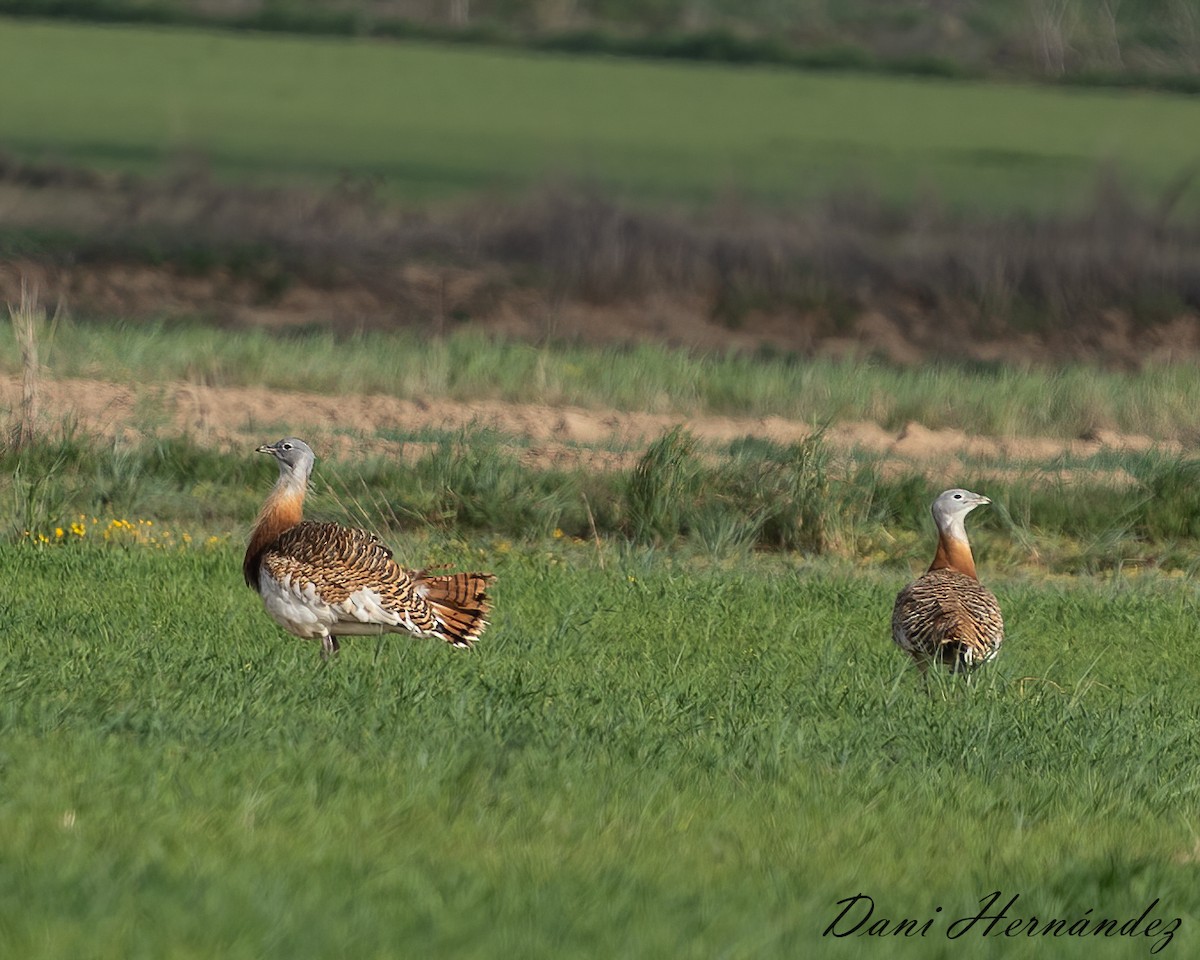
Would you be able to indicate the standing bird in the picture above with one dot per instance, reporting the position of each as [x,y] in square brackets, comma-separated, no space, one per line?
[323,580]
[947,615]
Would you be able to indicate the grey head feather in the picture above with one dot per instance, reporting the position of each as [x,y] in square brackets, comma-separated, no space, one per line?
[295,457]
[950,510]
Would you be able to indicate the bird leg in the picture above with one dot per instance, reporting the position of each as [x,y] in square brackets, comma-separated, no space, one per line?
[329,646]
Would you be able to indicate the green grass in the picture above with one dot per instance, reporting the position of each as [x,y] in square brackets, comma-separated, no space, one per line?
[434,121]
[1162,402]
[653,758]
[1141,44]
[721,502]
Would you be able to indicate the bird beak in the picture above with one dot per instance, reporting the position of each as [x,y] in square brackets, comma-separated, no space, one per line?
[265,448]
[982,499]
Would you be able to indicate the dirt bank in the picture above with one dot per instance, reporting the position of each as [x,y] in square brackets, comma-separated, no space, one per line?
[237,419]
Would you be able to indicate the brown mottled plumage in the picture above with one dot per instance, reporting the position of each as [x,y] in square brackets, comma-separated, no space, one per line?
[947,616]
[323,580]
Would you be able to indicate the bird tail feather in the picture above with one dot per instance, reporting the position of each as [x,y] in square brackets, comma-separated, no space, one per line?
[460,603]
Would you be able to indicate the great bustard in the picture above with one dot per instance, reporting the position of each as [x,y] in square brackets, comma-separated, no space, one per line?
[947,615]
[323,581]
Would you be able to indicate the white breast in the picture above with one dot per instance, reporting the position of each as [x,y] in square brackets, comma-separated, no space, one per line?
[298,610]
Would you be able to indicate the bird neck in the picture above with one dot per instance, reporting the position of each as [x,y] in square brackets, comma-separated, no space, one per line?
[953,553]
[283,509]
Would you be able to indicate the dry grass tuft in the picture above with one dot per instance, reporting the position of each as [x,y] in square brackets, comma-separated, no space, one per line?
[28,321]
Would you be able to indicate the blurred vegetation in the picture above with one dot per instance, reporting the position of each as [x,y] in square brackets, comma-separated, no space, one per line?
[953,214]
[1106,282]
[1114,42]
[424,122]
[719,501]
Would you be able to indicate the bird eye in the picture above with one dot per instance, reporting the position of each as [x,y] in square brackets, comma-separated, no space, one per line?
[958,496]
[287,446]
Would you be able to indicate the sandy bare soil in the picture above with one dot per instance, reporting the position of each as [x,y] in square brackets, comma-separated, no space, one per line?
[239,418]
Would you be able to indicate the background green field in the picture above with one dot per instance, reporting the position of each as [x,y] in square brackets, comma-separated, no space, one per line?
[440,121]
[1148,43]
[648,758]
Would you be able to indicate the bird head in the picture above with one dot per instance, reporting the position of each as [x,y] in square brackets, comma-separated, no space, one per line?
[295,456]
[950,510]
